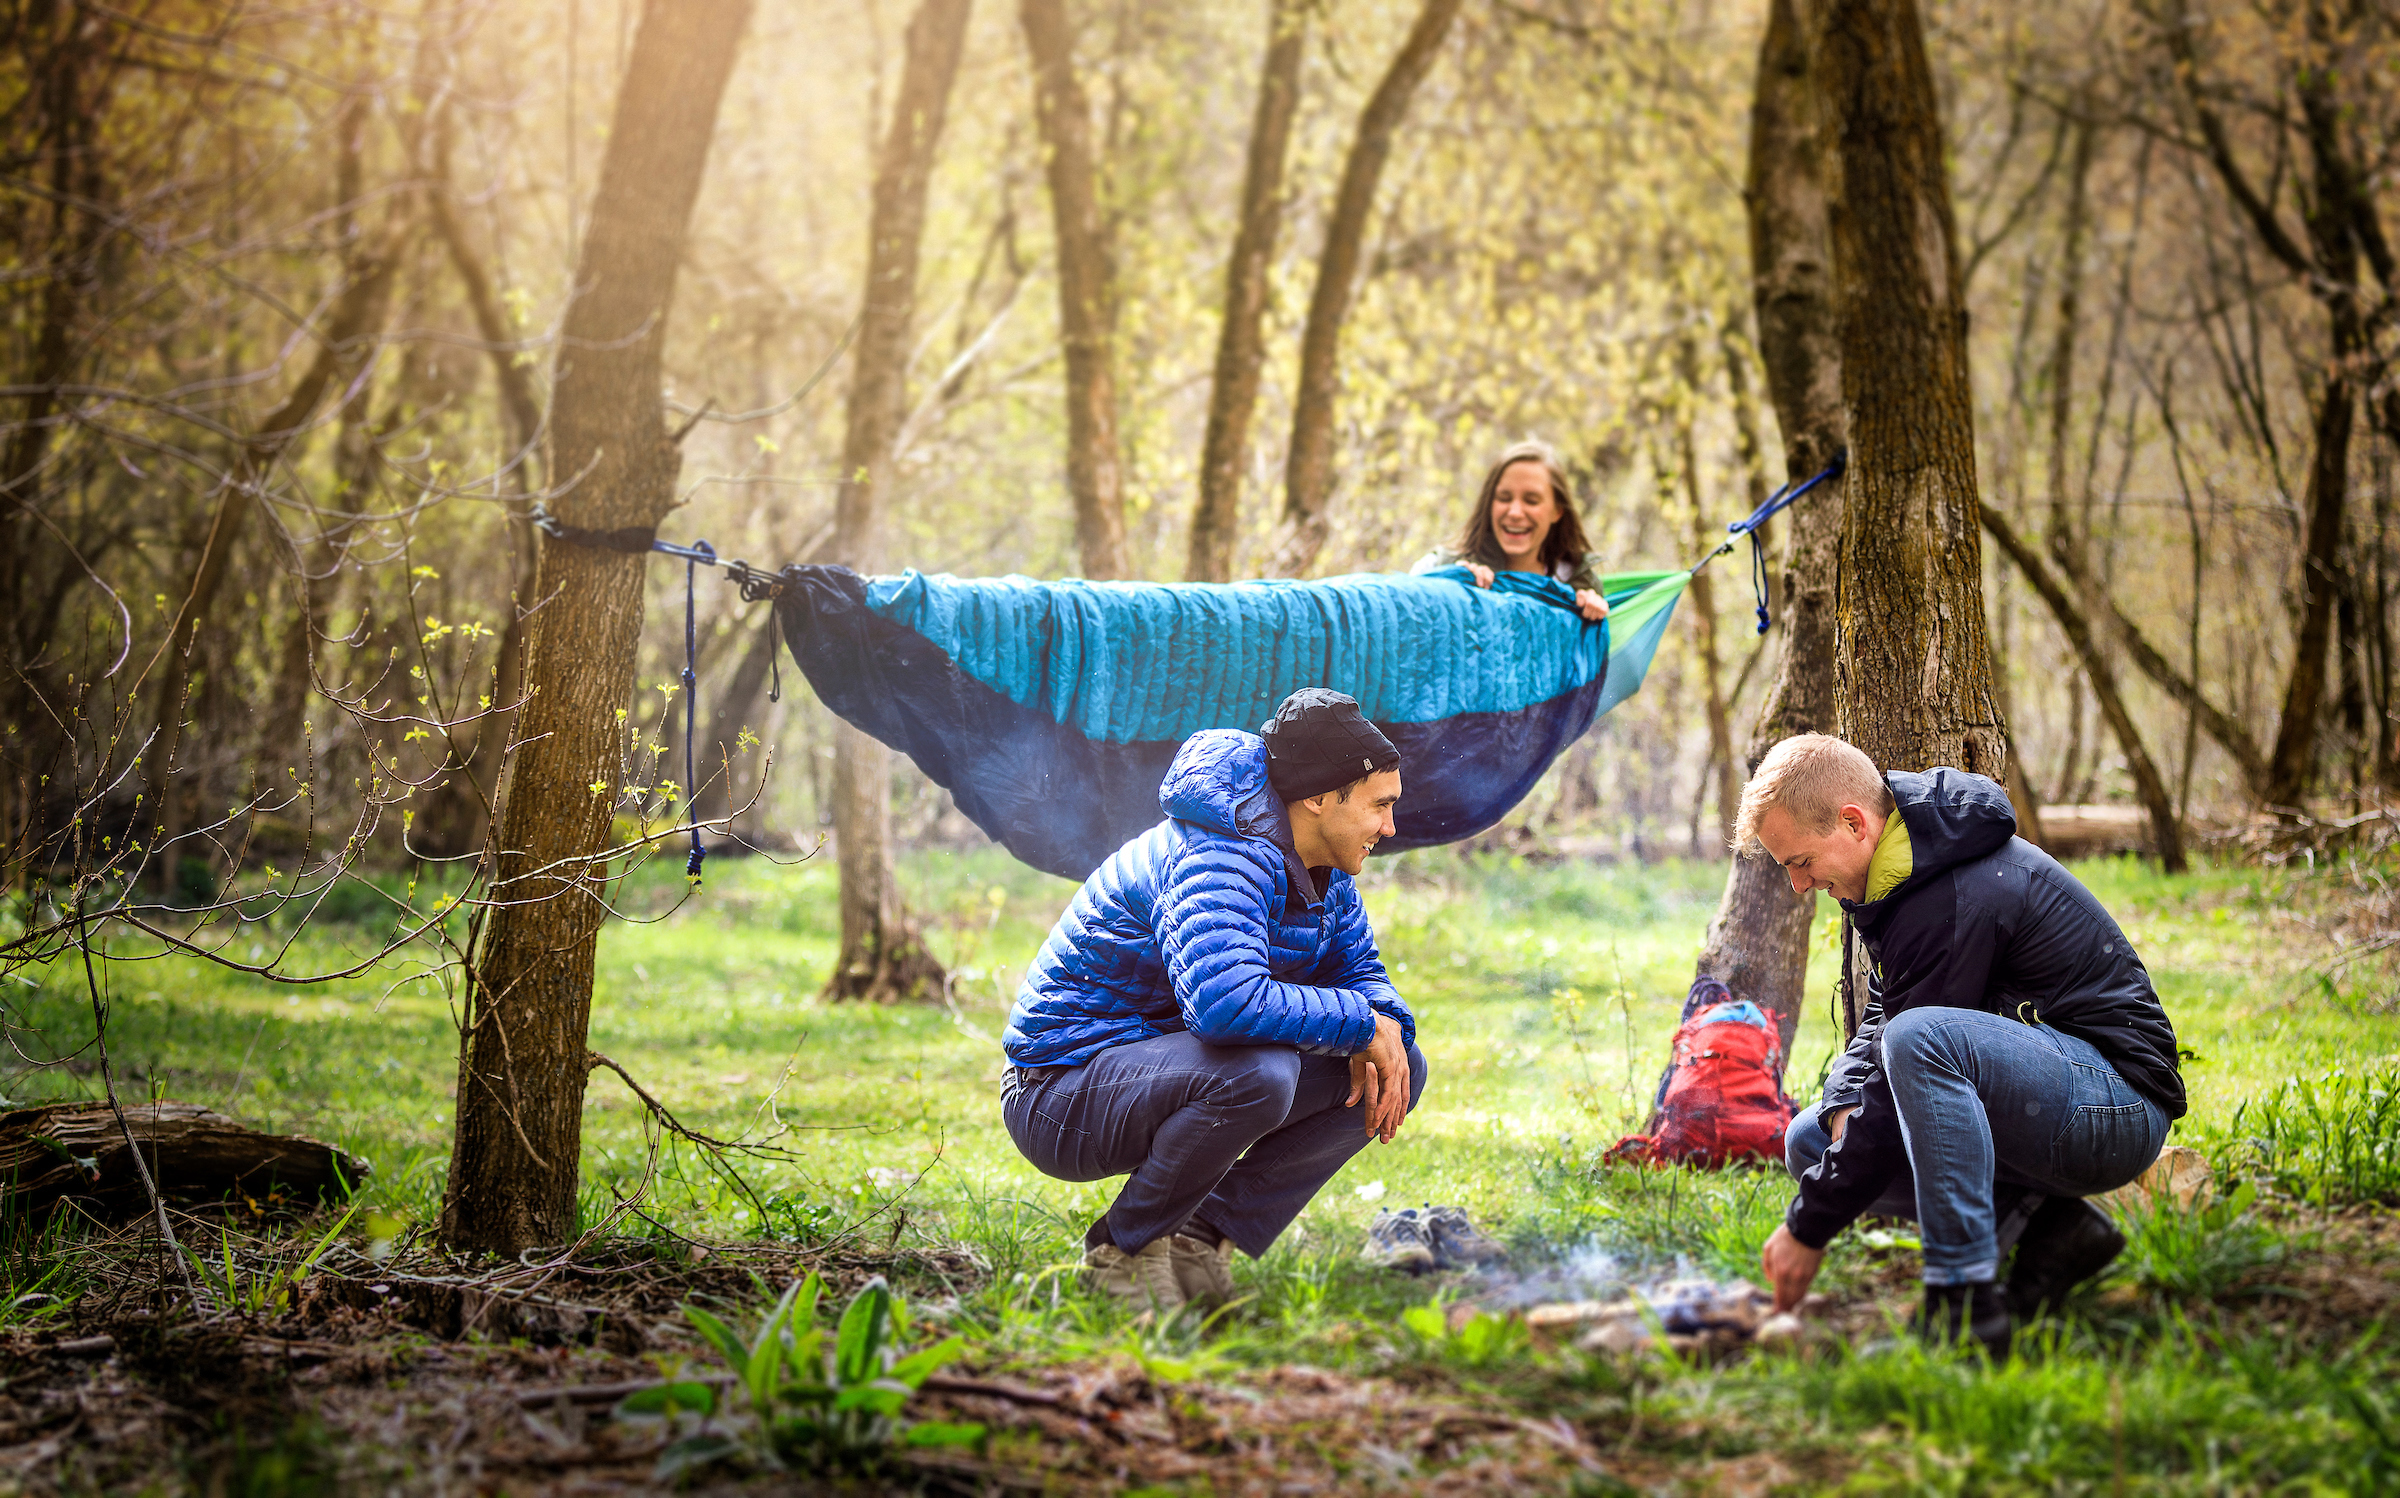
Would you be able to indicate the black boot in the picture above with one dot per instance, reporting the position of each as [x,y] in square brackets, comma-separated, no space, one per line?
[1961,1313]
[2068,1241]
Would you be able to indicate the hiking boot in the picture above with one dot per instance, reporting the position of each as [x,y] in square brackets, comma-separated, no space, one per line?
[2068,1241]
[1401,1240]
[1143,1281]
[1204,1274]
[1965,1313]
[1458,1243]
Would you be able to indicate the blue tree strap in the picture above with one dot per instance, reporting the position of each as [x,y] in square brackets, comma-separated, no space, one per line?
[1776,502]
[692,558]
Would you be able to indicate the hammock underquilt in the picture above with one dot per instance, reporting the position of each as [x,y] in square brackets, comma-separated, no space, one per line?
[1050,710]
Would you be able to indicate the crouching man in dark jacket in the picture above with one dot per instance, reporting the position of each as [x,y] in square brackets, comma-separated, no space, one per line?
[2012,1059]
[1211,1013]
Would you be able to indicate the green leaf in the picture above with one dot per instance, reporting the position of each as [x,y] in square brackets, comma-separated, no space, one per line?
[882,1397]
[666,1399]
[918,1366]
[1429,1320]
[861,1333]
[942,1433]
[692,1453]
[720,1336]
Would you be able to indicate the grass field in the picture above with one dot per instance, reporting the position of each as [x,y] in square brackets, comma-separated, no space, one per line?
[1545,995]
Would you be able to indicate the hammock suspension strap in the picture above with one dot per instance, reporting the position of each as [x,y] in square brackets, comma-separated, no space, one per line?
[757,586]
[1749,526]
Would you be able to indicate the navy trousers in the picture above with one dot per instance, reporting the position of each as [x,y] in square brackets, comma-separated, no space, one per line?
[1233,1138]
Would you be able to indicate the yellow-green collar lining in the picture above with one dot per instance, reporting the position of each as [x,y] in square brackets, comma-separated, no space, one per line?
[1894,860]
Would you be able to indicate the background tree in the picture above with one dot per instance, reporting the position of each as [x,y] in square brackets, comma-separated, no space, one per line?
[1308,471]
[517,1152]
[882,957]
[1241,345]
[1087,289]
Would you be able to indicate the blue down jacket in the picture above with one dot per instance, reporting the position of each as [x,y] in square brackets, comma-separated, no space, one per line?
[1208,922]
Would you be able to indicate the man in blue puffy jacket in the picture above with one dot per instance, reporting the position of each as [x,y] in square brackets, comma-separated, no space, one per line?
[1211,1014]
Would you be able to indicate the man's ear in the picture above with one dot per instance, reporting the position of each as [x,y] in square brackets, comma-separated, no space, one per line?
[1315,803]
[1854,819]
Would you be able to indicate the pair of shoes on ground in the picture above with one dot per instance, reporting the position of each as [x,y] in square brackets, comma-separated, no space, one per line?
[1417,1239]
[1166,1275]
[2067,1241]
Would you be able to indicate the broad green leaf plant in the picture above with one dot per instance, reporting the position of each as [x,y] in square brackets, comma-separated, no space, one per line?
[812,1407]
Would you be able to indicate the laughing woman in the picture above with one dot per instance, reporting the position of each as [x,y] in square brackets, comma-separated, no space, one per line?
[1524,521]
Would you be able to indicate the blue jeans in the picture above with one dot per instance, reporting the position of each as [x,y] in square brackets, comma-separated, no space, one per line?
[1986,1102]
[1238,1137]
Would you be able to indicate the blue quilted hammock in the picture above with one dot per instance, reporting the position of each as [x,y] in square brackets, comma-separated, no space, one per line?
[1050,710]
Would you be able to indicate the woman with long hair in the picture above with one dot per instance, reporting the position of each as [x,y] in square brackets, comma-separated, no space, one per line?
[1524,520]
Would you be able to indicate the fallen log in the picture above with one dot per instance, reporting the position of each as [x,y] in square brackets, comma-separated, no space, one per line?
[199,1157]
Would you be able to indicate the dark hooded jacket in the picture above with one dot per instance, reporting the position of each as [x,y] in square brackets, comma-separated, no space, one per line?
[1985,920]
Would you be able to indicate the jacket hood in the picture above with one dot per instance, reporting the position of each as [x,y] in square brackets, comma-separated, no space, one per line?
[1218,780]
[1953,817]
[1214,775]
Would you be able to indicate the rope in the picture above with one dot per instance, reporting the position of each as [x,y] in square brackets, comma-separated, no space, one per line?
[1776,503]
[757,587]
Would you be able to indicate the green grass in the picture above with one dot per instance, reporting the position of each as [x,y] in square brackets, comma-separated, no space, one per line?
[1545,996]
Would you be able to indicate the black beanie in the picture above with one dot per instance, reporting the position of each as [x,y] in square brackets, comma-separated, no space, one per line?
[1319,741]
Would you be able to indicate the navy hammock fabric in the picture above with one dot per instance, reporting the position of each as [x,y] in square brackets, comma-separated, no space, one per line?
[1050,710]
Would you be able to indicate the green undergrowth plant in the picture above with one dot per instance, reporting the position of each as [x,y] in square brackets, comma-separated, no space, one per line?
[812,1407]
[1476,1340]
[2329,1141]
[269,1289]
[2215,1247]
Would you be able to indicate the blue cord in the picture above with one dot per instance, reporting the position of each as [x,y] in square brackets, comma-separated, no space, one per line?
[692,558]
[1777,502]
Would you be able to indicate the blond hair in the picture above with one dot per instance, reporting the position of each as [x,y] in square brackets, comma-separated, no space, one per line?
[1812,776]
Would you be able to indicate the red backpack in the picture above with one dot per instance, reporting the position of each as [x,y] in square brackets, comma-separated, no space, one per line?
[1722,1098]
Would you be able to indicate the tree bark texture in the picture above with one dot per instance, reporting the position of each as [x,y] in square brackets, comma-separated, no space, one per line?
[1308,467]
[1757,944]
[1241,342]
[1087,290]
[1912,667]
[882,957]
[2166,833]
[522,1061]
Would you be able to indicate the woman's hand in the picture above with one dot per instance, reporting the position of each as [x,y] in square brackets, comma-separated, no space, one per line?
[1591,604]
[1791,1267]
[1481,574]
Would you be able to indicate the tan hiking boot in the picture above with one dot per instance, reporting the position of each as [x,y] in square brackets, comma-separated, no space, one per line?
[1205,1274]
[1143,1281]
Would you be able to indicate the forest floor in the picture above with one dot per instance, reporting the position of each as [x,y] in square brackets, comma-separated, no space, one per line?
[2241,1345]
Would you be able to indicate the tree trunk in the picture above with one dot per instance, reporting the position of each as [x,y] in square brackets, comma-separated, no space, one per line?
[2292,762]
[1308,468]
[1757,944]
[1912,672]
[522,1061]
[882,957]
[2166,833]
[1087,290]
[1241,343]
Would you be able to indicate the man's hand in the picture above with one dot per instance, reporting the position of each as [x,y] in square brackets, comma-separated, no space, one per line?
[1837,1123]
[1481,574]
[1380,1075]
[1791,1267]
[1591,605]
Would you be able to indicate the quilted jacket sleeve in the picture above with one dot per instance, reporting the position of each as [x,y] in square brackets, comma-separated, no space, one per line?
[1352,960]
[1214,910]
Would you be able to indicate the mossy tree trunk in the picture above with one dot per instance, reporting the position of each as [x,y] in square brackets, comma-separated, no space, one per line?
[1912,665]
[1757,944]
